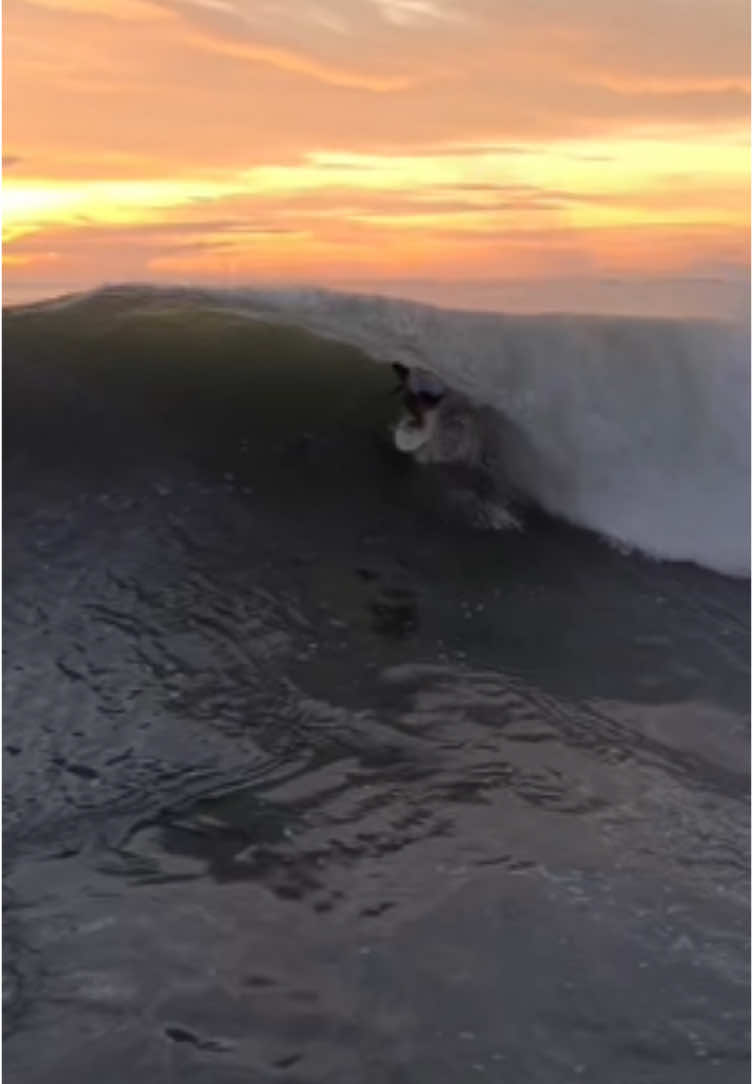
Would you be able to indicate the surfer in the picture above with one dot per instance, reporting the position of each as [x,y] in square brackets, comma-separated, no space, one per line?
[421,392]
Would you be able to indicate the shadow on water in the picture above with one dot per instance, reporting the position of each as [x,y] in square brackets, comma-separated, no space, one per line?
[305,777]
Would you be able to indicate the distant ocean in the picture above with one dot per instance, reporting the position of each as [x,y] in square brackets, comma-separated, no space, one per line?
[323,764]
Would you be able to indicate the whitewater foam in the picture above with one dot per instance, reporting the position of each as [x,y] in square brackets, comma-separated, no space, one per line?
[635,428]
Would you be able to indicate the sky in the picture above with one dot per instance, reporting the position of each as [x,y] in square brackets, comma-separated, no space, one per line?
[485,153]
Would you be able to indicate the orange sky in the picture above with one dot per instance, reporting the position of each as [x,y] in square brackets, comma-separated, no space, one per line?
[416,146]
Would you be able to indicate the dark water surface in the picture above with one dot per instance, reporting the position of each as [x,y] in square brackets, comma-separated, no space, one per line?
[308,780]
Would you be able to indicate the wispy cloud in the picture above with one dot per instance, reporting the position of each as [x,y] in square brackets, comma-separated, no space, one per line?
[222,6]
[407,13]
[121,10]
[300,64]
[636,83]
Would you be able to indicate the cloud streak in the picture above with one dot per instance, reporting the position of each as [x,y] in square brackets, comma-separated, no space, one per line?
[300,64]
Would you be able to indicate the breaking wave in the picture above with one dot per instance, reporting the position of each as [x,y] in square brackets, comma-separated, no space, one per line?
[635,428]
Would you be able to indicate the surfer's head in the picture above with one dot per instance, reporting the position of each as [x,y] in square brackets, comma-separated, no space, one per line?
[421,391]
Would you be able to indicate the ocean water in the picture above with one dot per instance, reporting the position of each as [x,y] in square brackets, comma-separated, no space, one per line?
[318,769]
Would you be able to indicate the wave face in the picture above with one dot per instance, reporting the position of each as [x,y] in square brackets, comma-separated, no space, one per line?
[638,429]
[635,428]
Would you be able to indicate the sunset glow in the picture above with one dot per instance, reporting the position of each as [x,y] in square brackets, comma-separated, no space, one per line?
[373,141]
